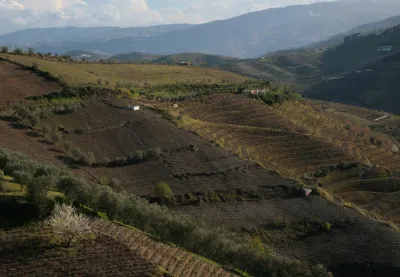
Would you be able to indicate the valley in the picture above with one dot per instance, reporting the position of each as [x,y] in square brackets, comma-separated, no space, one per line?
[229,159]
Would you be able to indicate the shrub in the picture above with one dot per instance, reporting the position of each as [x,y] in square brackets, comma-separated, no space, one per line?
[31,52]
[55,137]
[327,226]
[35,66]
[4,49]
[18,51]
[163,190]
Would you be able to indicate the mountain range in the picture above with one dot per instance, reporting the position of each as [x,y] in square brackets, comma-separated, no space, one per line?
[246,36]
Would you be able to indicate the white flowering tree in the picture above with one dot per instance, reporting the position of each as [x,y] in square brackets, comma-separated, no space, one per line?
[68,223]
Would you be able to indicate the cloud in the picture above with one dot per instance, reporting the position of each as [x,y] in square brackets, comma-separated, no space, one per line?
[19,14]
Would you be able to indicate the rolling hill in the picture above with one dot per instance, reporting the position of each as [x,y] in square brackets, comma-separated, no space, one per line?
[246,36]
[133,74]
[135,57]
[376,89]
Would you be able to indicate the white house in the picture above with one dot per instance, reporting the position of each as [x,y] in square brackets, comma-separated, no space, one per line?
[384,48]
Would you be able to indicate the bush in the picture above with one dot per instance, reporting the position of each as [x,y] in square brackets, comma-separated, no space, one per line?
[4,49]
[31,52]
[35,66]
[163,190]
[18,51]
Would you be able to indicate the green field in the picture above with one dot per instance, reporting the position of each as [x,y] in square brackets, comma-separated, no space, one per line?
[110,75]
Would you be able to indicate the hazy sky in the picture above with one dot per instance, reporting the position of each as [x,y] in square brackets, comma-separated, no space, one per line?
[21,14]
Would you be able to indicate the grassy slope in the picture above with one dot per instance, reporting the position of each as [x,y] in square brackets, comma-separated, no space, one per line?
[82,73]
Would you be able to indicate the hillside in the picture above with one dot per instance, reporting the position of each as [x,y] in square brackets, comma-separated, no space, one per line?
[246,36]
[376,89]
[220,175]
[133,74]
[39,37]
[374,27]
[193,58]
[134,57]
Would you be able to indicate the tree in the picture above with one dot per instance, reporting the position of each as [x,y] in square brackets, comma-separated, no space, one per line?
[68,223]
[30,51]
[18,51]
[4,49]
[163,190]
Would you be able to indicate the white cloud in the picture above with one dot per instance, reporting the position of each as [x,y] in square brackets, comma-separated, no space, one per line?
[18,14]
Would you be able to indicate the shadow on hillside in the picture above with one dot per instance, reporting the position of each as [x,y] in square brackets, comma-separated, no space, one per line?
[14,212]
[365,270]
[19,126]
[67,161]
[44,142]
[32,134]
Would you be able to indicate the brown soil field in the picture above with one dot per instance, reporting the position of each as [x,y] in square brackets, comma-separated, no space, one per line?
[15,137]
[352,238]
[111,250]
[16,83]
[112,132]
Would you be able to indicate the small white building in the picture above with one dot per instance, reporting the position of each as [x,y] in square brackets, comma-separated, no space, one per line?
[135,108]
[384,48]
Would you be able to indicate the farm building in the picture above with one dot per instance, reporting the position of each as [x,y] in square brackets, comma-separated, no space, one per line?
[131,107]
[175,105]
[384,48]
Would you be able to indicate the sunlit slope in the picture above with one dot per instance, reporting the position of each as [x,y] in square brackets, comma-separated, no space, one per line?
[138,74]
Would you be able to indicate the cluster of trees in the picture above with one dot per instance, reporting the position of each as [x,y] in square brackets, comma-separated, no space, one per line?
[275,95]
[31,52]
[225,247]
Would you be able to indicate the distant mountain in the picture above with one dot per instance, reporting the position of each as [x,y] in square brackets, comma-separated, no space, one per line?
[67,36]
[245,36]
[363,29]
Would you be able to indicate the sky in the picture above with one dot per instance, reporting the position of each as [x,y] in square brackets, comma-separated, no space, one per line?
[22,14]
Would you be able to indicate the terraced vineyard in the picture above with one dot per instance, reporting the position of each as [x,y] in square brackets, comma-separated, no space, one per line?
[259,134]
[31,253]
[289,225]
[380,196]
[113,251]
[173,259]
[365,144]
